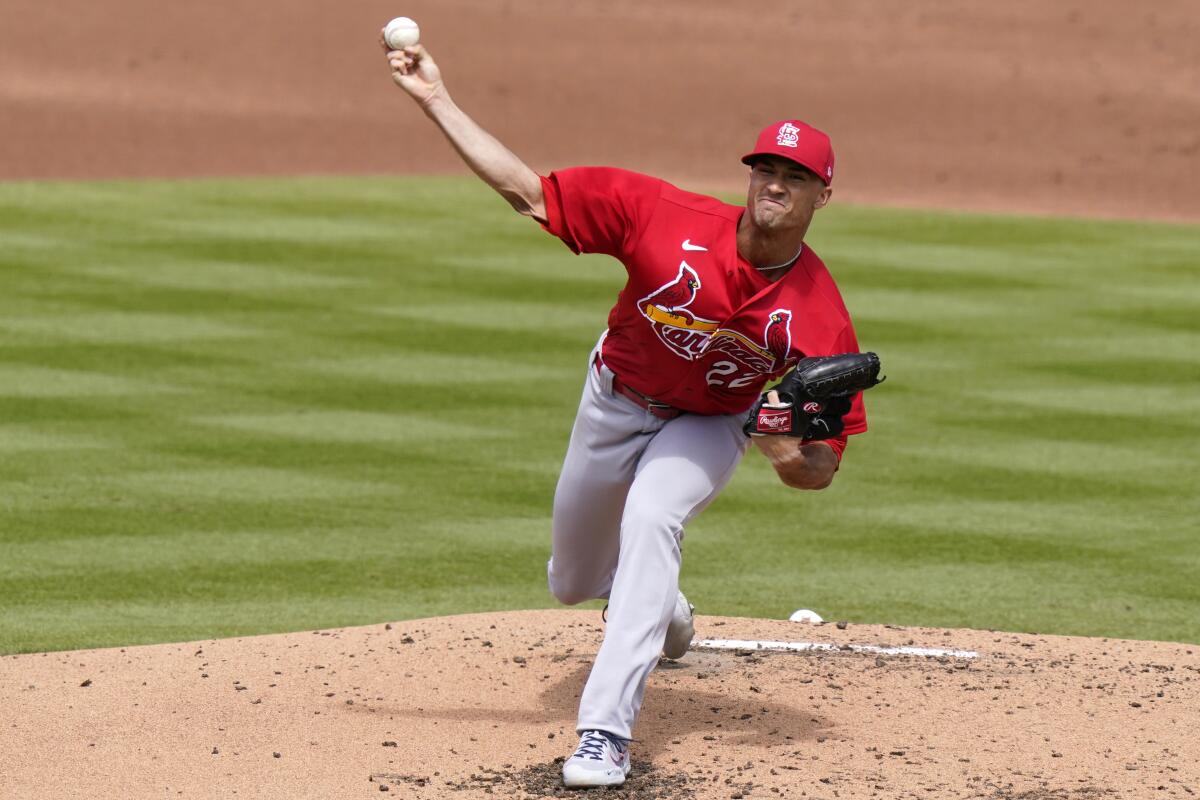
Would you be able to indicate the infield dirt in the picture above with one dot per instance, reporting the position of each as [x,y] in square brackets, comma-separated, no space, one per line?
[1075,107]
[484,705]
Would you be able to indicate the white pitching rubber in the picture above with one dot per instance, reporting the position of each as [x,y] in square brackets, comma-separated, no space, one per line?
[802,647]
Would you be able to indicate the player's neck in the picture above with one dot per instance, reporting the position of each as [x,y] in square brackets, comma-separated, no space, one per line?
[771,253]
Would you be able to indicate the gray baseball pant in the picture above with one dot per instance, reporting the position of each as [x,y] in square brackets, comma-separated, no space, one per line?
[629,484]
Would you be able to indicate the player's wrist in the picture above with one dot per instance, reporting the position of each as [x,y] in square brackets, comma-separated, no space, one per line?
[436,103]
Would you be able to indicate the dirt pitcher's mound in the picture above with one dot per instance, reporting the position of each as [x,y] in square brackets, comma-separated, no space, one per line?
[484,704]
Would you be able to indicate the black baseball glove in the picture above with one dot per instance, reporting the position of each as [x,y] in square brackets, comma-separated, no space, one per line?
[814,397]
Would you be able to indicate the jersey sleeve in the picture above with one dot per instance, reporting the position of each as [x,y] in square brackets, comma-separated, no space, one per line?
[599,209]
[838,445]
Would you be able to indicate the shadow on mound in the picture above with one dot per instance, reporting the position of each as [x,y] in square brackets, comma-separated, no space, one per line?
[678,705]
[545,780]
[1082,793]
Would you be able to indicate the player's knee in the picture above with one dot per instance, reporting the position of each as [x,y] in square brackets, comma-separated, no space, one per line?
[567,592]
[568,596]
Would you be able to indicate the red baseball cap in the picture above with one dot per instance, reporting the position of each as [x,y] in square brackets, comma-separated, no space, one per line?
[799,142]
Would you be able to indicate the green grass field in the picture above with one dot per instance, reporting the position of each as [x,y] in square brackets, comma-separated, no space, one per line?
[233,407]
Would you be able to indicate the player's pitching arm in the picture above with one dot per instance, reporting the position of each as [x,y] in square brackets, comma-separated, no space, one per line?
[415,71]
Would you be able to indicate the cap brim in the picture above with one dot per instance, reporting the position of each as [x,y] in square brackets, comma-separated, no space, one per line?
[748,159]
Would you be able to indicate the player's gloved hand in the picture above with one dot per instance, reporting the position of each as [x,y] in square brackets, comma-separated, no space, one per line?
[828,423]
[780,414]
[812,399]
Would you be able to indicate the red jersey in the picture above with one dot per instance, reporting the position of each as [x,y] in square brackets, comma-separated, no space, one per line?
[696,326]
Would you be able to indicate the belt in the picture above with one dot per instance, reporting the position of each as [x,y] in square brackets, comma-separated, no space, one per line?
[660,410]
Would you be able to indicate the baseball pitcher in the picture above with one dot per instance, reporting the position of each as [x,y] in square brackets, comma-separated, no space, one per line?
[720,301]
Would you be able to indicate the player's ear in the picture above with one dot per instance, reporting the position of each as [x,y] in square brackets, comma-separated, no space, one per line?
[823,197]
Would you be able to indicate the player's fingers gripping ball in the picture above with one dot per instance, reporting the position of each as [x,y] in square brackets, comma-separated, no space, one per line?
[811,400]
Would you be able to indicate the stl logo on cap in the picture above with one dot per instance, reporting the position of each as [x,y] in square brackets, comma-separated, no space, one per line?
[789,135]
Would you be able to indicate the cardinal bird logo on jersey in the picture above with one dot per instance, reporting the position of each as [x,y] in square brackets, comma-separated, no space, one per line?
[778,336]
[676,295]
[666,308]
[754,359]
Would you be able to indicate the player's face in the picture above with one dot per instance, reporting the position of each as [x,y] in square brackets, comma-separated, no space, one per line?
[784,194]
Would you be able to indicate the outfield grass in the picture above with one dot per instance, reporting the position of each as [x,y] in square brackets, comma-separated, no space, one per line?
[232,407]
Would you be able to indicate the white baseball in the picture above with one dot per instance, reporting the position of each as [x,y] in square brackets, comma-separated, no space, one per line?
[401,32]
[805,615]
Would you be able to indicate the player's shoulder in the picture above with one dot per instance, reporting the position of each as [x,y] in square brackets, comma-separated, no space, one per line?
[613,179]
[822,281]
[625,181]
[699,203]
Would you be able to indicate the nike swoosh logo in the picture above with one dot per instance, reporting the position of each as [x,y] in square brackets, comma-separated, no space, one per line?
[687,245]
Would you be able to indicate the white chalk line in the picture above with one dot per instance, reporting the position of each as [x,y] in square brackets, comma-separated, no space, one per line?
[799,647]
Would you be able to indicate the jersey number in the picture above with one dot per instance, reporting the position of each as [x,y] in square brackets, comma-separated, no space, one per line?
[722,369]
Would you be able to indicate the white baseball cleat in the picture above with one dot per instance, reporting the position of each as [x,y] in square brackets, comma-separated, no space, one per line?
[681,629]
[600,760]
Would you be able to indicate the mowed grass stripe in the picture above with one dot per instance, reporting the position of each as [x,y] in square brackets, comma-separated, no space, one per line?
[234,407]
